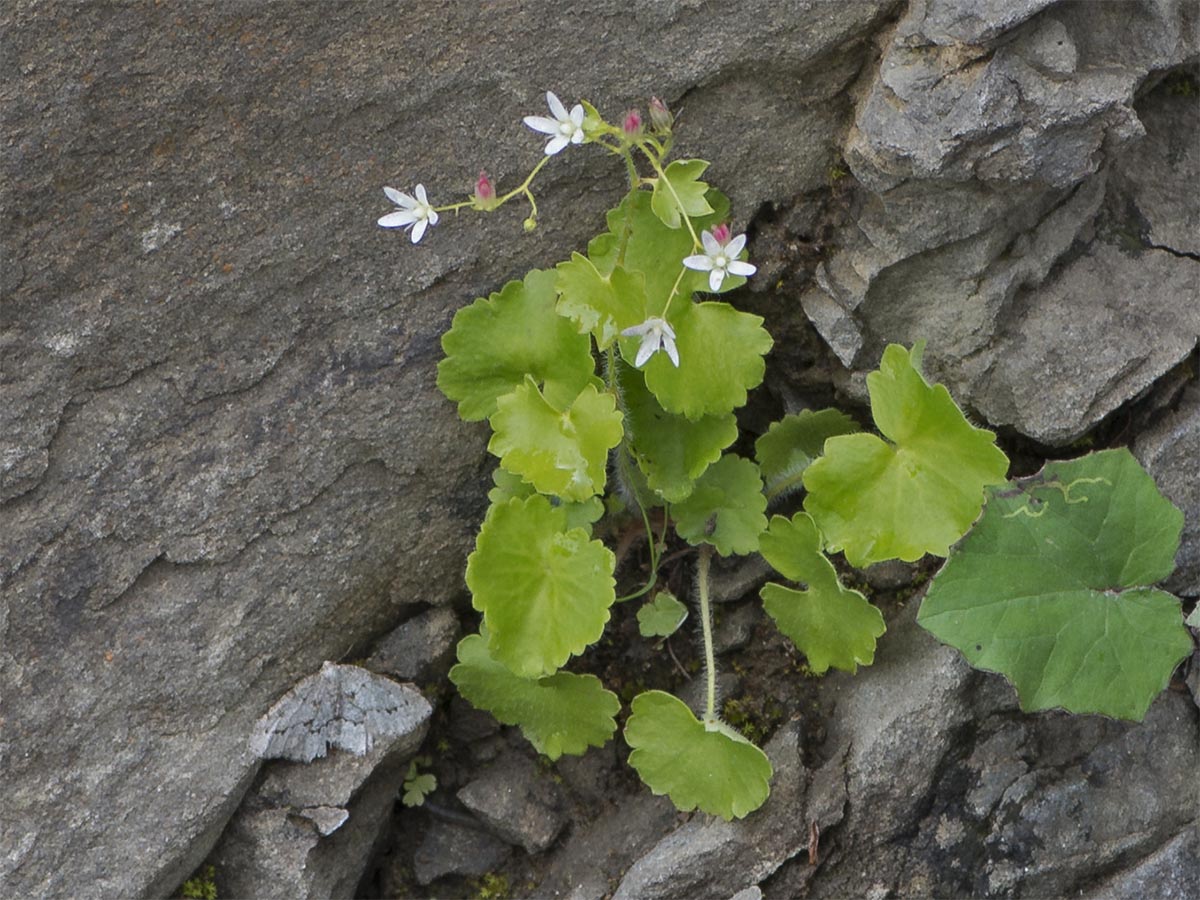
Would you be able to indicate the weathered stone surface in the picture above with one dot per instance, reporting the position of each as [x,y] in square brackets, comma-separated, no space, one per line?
[1170,451]
[1172,873]
[516,802]
[450,849]
[420,648]
[221,451]
[309,828]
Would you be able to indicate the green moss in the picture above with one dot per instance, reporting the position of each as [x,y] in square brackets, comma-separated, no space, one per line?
[492,886]
[201,886]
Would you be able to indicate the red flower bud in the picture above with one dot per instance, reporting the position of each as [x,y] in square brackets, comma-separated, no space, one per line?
[722,233]
[660,116]
[632,125]
[485,193]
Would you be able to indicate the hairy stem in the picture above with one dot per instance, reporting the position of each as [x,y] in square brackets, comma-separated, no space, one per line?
[710,662]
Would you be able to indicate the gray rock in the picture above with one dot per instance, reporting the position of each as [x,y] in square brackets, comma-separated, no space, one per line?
[516,802]
[751,893]
[711,857]
[1170,450]
[420,648]
[890,575]
[450,849]
[736,626]
[1170,873]
[308,829]
[222,456]
[345,707]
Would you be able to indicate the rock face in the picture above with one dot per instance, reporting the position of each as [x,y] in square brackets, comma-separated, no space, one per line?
[223,459]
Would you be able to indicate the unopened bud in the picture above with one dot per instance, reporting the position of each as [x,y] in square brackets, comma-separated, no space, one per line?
[722,233]
[660,116]
[632,124]
[530,224]
[485,193]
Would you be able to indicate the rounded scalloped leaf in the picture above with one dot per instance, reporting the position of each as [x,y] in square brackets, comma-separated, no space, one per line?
[721,353]
[662,616]
[579,515]
[561,713]
[679,189]
[712,768]
[726,508]
[656,251]
[671,450]
[562,452]
[918,493]
[791,444]
[494,343]
[830,624]
[600,304]
[544,591]
[1051,588]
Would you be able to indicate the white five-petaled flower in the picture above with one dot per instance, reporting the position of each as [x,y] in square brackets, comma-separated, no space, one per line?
[413,211]
[656,334]
[720,257]
[566,128]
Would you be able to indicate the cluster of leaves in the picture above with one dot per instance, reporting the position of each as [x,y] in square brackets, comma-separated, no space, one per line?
[1037,591]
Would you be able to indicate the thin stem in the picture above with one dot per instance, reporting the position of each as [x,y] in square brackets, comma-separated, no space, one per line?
[710,663]
[670,187]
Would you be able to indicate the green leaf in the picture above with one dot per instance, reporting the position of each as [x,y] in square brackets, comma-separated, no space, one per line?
[791,444]
[544,591]
[830,624]
[602,305]
[646,245]
[662,616]
[672,450]
[721,353]
[558,451]
[918,492]
[1051,588]
[725,509]
[704,765]
[494,343]
[417,786]
[579,515]
[561,713]
[678,188]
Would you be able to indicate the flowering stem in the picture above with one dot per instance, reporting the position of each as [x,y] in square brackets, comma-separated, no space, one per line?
[662,176]
[674,290]
[710,663]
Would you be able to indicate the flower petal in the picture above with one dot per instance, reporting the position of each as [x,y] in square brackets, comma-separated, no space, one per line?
[421,194]
[715,277]
[432,216]
[649,344]
[398,218]
[419,230]
[542,124]
[556,108]
[745,269]
[699,263]
[636,330]
[577,137]
[665,327]
[394,195]
[668,342]
[556,145]
[711,245]
[735,246]
[577,115]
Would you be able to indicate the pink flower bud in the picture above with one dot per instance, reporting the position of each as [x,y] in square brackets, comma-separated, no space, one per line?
[632,125]
[660,116]
[485,193]
[722,233]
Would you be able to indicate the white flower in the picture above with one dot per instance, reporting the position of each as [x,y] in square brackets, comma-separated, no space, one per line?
[720,259]
[414,211]
[656,334]
[567,128]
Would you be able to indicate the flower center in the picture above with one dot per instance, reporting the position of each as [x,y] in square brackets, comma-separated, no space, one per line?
[720,262]
[566,128]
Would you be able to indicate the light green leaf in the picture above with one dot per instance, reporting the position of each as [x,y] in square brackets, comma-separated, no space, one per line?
[417,786]
[830,624]
[721,353]
[558,451]
[672,450]
[494,343]
[579,515]
[561,713]
[916,493]
[725,509]
[603,305]
[1052,588]
[697,764]
[644,244]
[791,444]
[678,189]
[544,591]
[662,616]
